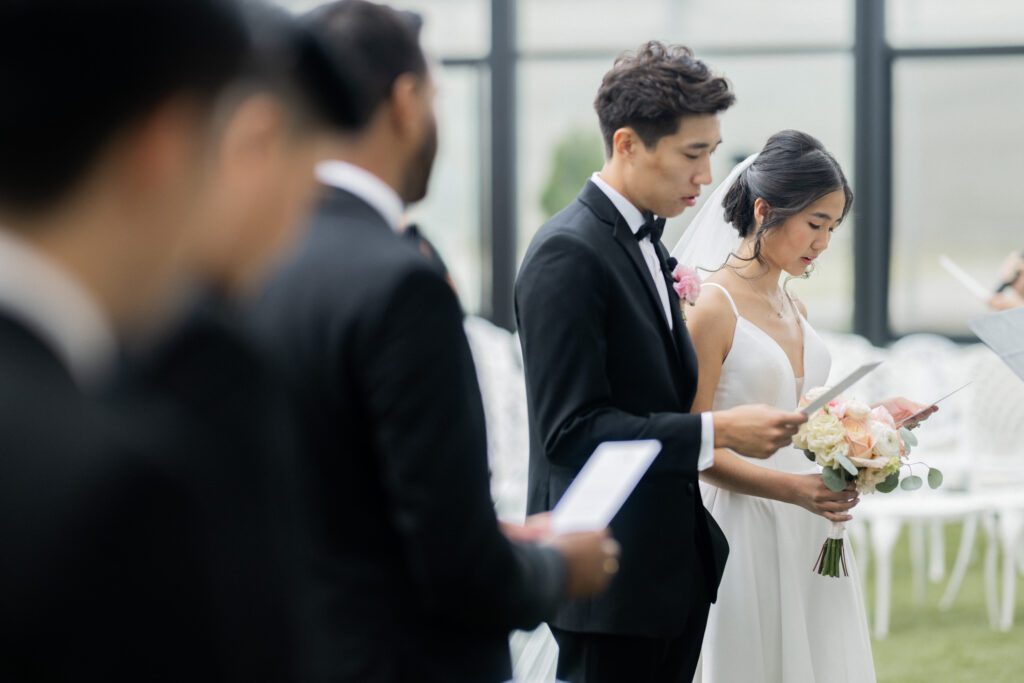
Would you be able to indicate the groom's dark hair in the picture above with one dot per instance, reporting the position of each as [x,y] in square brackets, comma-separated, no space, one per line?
[652,88]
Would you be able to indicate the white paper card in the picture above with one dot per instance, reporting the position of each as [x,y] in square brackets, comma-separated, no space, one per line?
[602,486]
[963,277]
[1003,333]
[911,418]
[839,388]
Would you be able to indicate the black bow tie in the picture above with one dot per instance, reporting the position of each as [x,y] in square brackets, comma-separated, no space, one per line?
[652,227]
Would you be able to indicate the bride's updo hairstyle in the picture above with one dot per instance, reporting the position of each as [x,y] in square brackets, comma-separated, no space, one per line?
[793,171]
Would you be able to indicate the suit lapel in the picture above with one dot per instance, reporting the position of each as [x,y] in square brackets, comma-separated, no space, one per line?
[602,207]
[624,236]
[684,345]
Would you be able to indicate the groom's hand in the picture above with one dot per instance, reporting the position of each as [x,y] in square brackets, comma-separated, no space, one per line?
[591,560]
[756,431]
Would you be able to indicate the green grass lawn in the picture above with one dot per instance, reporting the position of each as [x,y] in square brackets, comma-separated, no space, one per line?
[929,646]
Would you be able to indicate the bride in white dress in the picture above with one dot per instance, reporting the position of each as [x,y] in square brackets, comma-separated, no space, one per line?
[776,621]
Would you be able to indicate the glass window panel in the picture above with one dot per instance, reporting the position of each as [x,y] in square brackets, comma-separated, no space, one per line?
[451,28]
[923,23]
[567,25]
[559,145]
[958,147]
[451,213]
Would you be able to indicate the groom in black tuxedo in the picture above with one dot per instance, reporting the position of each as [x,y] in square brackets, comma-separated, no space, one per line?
[608,357]
[414,578]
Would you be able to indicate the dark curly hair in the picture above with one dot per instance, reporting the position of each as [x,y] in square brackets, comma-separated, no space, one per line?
[793,171]
[651,89]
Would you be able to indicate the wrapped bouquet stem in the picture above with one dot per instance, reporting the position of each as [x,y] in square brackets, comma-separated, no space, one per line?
[832,558]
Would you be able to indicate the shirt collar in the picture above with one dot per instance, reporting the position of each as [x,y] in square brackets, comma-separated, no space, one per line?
[363,184]
[634,218]
[47,299]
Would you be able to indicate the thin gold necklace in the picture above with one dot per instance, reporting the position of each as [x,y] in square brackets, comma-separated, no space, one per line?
[767,299]
[777,311]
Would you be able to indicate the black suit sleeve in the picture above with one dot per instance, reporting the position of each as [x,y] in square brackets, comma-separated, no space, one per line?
[561,299]
[425,407]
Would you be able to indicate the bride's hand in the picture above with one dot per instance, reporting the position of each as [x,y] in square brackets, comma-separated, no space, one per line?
[810,493]
[901,408]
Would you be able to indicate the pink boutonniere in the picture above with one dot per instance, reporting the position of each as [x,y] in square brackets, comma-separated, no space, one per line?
[686,282]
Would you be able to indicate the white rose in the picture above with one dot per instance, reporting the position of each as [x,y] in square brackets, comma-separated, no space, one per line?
[887,441]
[870,477]
[824,436]
[857,410]
[827,458]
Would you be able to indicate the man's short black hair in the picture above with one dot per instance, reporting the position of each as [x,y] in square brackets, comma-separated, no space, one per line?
[370,46]
[651,89]
[289,59]
[73,73]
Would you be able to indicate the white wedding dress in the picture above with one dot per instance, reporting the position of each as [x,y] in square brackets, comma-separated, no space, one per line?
[776,621]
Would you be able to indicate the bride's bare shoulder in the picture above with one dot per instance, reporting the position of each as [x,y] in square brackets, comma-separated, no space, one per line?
[716,295]
[712,319]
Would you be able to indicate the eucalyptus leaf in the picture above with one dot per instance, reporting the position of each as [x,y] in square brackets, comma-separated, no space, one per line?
[934,478]
[890,483]
[809,455]
[847,465]
[908,437]
[834,479]
[911,483]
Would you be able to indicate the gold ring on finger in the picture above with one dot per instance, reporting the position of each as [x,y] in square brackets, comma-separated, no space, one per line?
[611,566]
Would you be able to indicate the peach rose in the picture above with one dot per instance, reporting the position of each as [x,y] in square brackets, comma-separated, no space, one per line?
[858,436]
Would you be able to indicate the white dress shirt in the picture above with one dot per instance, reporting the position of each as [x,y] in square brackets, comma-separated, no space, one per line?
[635,220]
[363,184]
[47,299]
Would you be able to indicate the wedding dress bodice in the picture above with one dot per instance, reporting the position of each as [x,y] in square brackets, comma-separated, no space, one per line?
[757,370]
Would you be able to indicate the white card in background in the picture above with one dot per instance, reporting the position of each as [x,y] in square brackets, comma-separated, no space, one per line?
[1003,333]
[973,286]
[839,388]
[602,486]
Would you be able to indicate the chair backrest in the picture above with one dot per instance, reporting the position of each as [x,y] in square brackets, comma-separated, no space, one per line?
[923,368]
[499,370]
[994,422]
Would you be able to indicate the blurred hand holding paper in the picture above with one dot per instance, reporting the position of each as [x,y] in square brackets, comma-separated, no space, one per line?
[602,486]
[1003,333]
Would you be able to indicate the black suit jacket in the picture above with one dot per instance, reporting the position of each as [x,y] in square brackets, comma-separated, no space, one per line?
[213,406]
[415,579]
[602,365]
[101,577]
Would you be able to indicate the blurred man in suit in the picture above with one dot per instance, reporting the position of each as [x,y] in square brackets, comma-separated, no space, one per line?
[108,111]
[205,390]
[415,579]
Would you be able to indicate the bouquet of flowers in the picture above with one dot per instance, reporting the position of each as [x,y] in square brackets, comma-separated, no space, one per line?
[854,442]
